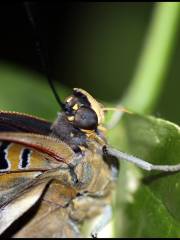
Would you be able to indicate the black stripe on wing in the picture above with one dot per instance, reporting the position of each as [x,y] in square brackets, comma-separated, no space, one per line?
[25,158]
[4,162]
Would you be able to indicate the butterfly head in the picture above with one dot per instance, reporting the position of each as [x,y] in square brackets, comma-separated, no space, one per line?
[83,111]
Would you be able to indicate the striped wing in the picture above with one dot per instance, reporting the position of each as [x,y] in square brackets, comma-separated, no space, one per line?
[25,159]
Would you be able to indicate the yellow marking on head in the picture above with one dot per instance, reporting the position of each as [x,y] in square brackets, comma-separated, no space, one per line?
[71,118]
[75,107]
[69,99]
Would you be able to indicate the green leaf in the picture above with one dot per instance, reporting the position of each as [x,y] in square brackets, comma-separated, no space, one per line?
[147,203]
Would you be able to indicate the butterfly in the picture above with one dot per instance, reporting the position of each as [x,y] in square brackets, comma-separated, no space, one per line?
[61,167]
[54,176]
[62,173]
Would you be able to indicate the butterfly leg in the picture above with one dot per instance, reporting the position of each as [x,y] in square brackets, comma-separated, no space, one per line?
[105,219]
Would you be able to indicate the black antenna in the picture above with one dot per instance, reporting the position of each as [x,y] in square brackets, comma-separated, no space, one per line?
[40,53]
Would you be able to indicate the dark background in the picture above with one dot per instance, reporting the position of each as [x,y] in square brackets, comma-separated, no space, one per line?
[92,45]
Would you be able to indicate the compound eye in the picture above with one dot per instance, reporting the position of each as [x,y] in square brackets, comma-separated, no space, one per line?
[85,118]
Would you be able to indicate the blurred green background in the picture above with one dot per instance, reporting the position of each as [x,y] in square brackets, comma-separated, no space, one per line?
[95,46]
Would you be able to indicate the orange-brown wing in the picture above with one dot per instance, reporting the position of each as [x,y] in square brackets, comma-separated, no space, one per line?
[52,216]
[24,158]
[49,146]
[18,176]
[41,204]
[42,209]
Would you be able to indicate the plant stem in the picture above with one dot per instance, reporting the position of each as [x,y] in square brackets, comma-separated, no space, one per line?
[147,84]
